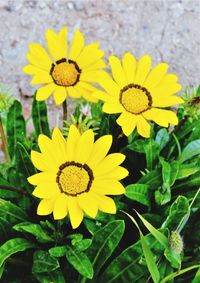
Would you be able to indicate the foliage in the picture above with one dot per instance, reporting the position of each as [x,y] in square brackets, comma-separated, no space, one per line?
[160,208]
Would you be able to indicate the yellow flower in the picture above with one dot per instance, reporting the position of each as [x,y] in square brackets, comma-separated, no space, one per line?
[64,73]
[139,93]
[76,175]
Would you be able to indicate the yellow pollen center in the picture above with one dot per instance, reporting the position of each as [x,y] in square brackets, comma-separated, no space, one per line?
[65,73]
[135,99]
[74,179]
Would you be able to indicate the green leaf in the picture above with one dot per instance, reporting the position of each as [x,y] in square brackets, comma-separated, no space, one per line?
[55,276]
[127,267]
[44,262]
[197,277]
[192,149]
[39,116]
[177,211]
[160,237]
[11,212]
[173,258]
[152,178]
[177,273]
[82,245]
[162,138]
[34,229]
[16,129]
[194,180]
[152,152]
[14,246]
[58,251]
[150,261]
[24,166]
[138,146]
[80,262]
[187,170]
[174,172]
[104,242]
[138,192]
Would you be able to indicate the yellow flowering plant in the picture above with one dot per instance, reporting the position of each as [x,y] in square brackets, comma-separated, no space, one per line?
[71,196]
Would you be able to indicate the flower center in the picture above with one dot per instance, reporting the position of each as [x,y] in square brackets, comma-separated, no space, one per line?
[65,73]
[74,178]
[135,98]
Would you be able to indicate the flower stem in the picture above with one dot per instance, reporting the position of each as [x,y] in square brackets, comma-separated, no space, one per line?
[64,112]
[16,190]
[4,142]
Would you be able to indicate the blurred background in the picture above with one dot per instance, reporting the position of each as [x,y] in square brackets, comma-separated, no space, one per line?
[166,29]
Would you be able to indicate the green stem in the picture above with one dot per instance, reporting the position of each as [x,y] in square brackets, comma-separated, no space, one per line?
[64,112]
[16,190]
[4,141]
[186,217]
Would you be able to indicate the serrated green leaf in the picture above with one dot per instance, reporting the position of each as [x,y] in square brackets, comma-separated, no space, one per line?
[44,262]
[11,212]
[14,246]
[138,192]
[15,128]
[80,262]
[35,230]
[192,149]
[162,138]
[40,119]
[178,210]
[104,242]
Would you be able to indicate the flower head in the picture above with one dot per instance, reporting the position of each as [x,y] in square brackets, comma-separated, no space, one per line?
[76,175]
[139,93]
[64,73]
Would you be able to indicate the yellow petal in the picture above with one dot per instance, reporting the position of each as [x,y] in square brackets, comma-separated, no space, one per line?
[59,95]
[130,125]
[106,204]
[161,117]
[123,118]
[32,70]
[143,68]
[72,141]
[91,76]
[44,92]
[60,207]
[39,57]
[73,92]
[143,127]
[104,96]
[108,187]
[164,90]
[88,204]
[118,173]
[129,65]
[117,71]
[63,41]
[75,212]
[156,75]
[84,146]
[86,91]
[169,79]
[45,207]
[100,149]
[77,45]
[112,108]
[41,177]
[46,190]
[96,66]
[40,161]
[109,163]
[89,55]
[54,43]
[108,84]
[168,101]
[60,144]
[41,77]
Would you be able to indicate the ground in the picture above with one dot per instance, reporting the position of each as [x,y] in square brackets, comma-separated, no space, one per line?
[167,30]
